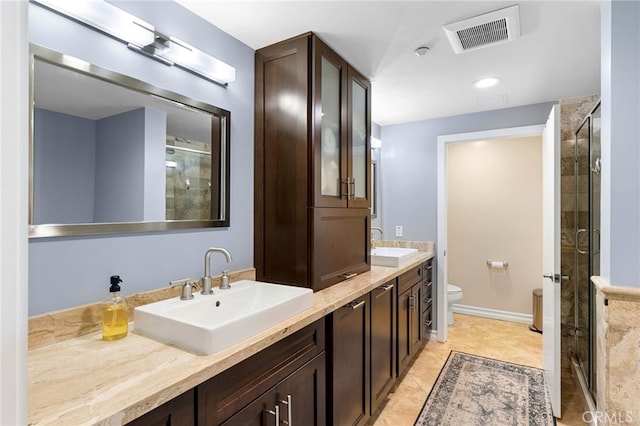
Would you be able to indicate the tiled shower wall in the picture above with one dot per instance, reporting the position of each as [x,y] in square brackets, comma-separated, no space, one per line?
[573,111]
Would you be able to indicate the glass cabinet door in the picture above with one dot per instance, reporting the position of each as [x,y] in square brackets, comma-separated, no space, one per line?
[359,149]
[330,130]
[330,159]
[342,117]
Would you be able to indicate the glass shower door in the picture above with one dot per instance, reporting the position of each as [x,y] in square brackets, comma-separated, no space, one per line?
[582,287]
[594,241]
[587,243]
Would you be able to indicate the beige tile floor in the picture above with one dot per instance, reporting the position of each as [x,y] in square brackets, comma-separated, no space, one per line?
[501,340]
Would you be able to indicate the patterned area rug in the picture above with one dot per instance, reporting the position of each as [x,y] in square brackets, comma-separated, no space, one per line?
[472,390]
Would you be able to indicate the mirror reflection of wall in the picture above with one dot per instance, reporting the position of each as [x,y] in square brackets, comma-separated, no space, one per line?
[96,171]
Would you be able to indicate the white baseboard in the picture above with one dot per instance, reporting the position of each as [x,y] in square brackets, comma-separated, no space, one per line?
[493,314]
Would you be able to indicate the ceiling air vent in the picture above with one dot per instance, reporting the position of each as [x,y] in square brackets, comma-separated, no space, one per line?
[485,30]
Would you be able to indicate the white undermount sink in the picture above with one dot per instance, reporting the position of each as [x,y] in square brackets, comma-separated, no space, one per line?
[211,323]
[392,256]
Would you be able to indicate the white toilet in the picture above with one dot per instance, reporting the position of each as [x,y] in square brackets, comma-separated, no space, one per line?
[454,295]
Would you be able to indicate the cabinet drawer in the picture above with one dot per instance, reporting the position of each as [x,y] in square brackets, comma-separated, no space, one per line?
[225,394]
[427,323]
[409,279]
[427,300]
[428,270]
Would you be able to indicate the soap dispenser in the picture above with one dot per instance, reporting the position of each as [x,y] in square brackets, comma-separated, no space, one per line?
[115,314]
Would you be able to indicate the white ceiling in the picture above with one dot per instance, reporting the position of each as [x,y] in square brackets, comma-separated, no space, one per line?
[556,57]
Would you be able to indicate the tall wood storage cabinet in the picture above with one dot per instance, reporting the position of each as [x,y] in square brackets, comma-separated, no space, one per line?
[312,165]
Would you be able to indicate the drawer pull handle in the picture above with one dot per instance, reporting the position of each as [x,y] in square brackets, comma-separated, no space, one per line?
[348,186]
[349,276]
[428,323]
[356,305]
[430,267]
[353,188]
[430,283]
[287,402]
[275,412]
[386,288]
[429,300]
[412,302]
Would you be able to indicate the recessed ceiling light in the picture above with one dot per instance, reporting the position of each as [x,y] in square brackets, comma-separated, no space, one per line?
[422,50]
[483,83]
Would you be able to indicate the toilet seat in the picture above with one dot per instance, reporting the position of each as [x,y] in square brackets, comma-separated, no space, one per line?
[453,289]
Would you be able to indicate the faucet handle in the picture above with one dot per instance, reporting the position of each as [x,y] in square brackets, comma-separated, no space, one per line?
[186,288]
[224,281]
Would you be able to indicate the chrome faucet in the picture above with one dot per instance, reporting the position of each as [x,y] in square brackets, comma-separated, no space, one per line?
[206,280]
[375,228]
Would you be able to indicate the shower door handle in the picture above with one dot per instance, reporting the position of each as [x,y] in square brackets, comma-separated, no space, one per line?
[556,278]
[578,248]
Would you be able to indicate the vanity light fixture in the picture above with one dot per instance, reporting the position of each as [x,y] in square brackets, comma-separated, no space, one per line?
[484,83]
[142,37]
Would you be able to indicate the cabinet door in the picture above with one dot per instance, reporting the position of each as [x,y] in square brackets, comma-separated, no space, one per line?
[404,331]
[415,312]
[359,136]
[330,129]
[410,329]
[261,412]
[350,386]
[180,411]
[340,245]
[383,343]
[302,396]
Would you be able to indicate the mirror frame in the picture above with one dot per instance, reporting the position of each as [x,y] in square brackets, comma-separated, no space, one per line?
[37,52]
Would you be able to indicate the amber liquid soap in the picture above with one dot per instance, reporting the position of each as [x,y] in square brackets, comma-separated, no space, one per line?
[115,313]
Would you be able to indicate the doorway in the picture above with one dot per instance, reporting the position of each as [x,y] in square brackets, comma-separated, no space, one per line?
[442,223]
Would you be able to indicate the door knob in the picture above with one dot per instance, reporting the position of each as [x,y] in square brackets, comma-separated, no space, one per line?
[556,278]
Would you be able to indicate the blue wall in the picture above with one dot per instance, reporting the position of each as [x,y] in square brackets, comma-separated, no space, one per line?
[64,184]
[620,204]
[65,272]
[408,172]
[119,195]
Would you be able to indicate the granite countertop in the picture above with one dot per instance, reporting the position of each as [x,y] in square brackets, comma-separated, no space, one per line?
[87,381]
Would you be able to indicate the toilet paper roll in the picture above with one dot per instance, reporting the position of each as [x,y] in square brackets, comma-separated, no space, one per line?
[497,264]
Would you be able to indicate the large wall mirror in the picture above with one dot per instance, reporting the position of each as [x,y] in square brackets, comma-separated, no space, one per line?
[112,154]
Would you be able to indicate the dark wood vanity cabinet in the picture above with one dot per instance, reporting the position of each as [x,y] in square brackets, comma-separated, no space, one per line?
[180,411]
[383,343]
[427,299]
[297,400]
[410,331]
[289,375]
[312,165]
[348,349]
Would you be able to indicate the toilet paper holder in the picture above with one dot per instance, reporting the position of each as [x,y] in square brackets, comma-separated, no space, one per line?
[497,263]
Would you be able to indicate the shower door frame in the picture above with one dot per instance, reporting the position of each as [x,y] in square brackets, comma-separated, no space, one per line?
[593,251]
